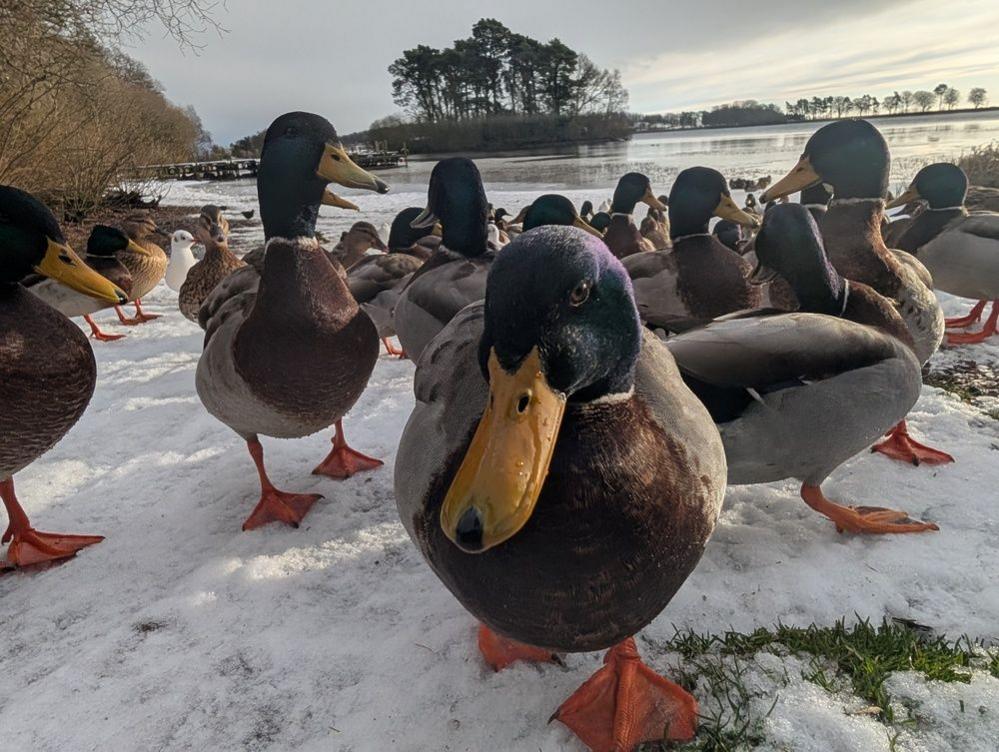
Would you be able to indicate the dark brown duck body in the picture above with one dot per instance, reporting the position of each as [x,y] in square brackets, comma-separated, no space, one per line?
[619,526]
[47,377]
[624,238]
[713,280]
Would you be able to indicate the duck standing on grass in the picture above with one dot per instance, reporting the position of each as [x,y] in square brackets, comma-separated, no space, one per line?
[960,250]
[181,259]
[147,268]
[561,480]
[103,245]
[622,236]
[795,395]
[852,157]
[218,263]
[47,367]
[292,356]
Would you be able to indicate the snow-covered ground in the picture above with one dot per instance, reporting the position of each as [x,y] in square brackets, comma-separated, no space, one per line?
[182,632]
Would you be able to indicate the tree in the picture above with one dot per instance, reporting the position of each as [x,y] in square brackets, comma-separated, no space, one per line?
[951,98]
[923,99]
[941,91]
[977,97]
[907,100]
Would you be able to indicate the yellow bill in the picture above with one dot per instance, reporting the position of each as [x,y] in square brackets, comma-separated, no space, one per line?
[331,199]
[582,224]
[801,176]
[650,199]
[496,488]
[911,194]
[336,166]
[727,209]
[63,265]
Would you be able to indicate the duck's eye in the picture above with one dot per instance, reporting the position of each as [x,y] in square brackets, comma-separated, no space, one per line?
[580,294]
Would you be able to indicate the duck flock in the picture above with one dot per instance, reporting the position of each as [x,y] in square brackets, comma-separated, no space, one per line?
[586,388]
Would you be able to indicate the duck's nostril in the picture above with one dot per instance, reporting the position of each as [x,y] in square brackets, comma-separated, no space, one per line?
[469,530]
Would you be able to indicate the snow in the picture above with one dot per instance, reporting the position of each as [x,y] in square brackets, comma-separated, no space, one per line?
[179,631]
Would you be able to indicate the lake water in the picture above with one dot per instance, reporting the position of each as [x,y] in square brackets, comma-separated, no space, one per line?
[592,171]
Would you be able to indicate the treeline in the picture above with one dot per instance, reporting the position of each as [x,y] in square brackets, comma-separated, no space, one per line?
[75,115]
[746,112]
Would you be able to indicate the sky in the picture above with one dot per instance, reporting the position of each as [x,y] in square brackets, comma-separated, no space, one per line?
[331,56]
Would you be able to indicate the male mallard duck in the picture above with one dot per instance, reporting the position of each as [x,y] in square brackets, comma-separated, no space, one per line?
[456,274]
[592,482]
[103,245]
[181,259]
[376,281]
[554,209]
[851,157]
[960,250]
[218,263]
[729,234]
[699,279]
[47,368]
[795,395]
[292,357]
[600,222]
[147,269]
[622,236]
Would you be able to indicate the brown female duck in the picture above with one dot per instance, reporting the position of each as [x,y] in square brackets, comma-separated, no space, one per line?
[146,269]
[219,262]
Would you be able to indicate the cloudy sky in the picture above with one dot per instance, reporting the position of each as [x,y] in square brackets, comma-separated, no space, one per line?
[330,56]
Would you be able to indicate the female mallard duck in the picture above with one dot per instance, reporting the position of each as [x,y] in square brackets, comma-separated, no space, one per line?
[592,482]
[103,245]
[851,157]
[456,274]
[292,357]
[376,281]
[147,269]
[356,242]
[181,259]
[960,250]
[795,395]
[219,262]
[700,279]
[622,236]
[47,368]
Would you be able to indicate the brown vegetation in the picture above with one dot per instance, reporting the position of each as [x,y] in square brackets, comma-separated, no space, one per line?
[981,165]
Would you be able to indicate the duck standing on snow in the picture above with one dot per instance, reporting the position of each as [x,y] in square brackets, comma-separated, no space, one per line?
[622,236]
[47,368]
[700,278]
[147,269]
[960,250]
[181,259]
[103,245]
[795,395]
[219,262]
[852,157]
[584,498]
[291,357]
[456,273]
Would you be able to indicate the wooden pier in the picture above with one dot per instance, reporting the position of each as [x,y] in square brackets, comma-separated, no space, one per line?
[236,168]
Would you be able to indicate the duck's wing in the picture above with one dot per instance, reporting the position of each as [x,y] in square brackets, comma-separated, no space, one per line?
[654,278]
[983,225]
[375,274]
[233,293]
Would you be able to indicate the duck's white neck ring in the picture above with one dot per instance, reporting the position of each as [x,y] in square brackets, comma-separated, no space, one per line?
[846,296]
[621,214]
[305,241]
[823,207]
[609,399]
[692,235]
[944,208]
[855,201]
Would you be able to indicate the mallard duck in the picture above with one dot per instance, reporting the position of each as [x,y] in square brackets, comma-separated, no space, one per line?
[456,274]
[795,395]
[816,198]
[554,209]
[47,368]
[291,358]
[729,234]
[586,210]
[622,236]
[103,245]
[852,158]
[591,484]
[376,281]
[182,258]
[147,269]
[218,263]
[600,222]
[960,250]
[699,279]
[357,241]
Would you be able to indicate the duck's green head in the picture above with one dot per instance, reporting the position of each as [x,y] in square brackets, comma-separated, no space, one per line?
[457,200]
[942,185]
[301,155]
[106,242]
[402,234]
[698,194]
[554,209]
[600,222]
[850,155]
[586,210]
[560,326]
[632,188]
[31,241]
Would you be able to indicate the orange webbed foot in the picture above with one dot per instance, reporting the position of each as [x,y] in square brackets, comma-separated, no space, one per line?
[974,338]
[126,320]
[626,703]
[901,446]
[343,462]
[499,652]
[862,519]
[280,506]
[30,546]
[96,333]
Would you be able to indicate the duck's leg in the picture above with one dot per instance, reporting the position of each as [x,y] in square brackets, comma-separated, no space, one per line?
[275,505]
[342,461]
[499,652]
[29,546]
[973,338]
[626,703]
[96,333]
[877,520]
[126,320]
[972,318]
[901,446]
[392,349]
[141,315]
